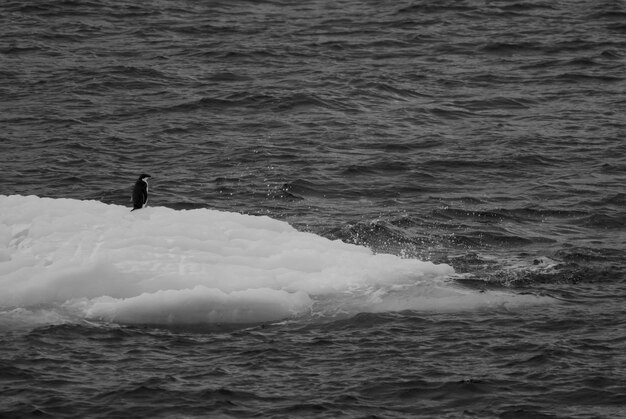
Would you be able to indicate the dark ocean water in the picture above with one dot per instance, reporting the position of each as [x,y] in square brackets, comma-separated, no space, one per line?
[488,135]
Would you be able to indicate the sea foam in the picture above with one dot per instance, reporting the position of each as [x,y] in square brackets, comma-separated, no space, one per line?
[164,266]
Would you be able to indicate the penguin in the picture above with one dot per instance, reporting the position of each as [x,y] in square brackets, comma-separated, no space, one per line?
[140,192]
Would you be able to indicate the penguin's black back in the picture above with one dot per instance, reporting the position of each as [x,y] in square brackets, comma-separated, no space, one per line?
[140,193]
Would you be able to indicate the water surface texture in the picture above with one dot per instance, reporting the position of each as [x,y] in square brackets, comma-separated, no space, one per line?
[357,208]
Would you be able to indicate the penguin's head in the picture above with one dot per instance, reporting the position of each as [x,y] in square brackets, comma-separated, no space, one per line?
[144,177]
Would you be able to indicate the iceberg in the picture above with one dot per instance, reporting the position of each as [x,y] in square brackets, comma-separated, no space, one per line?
[94,261]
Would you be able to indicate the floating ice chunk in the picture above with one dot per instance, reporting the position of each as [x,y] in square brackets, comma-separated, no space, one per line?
[163,266]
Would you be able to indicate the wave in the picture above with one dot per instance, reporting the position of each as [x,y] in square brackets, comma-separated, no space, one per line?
[279,103]
[70,260]
[510,47]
